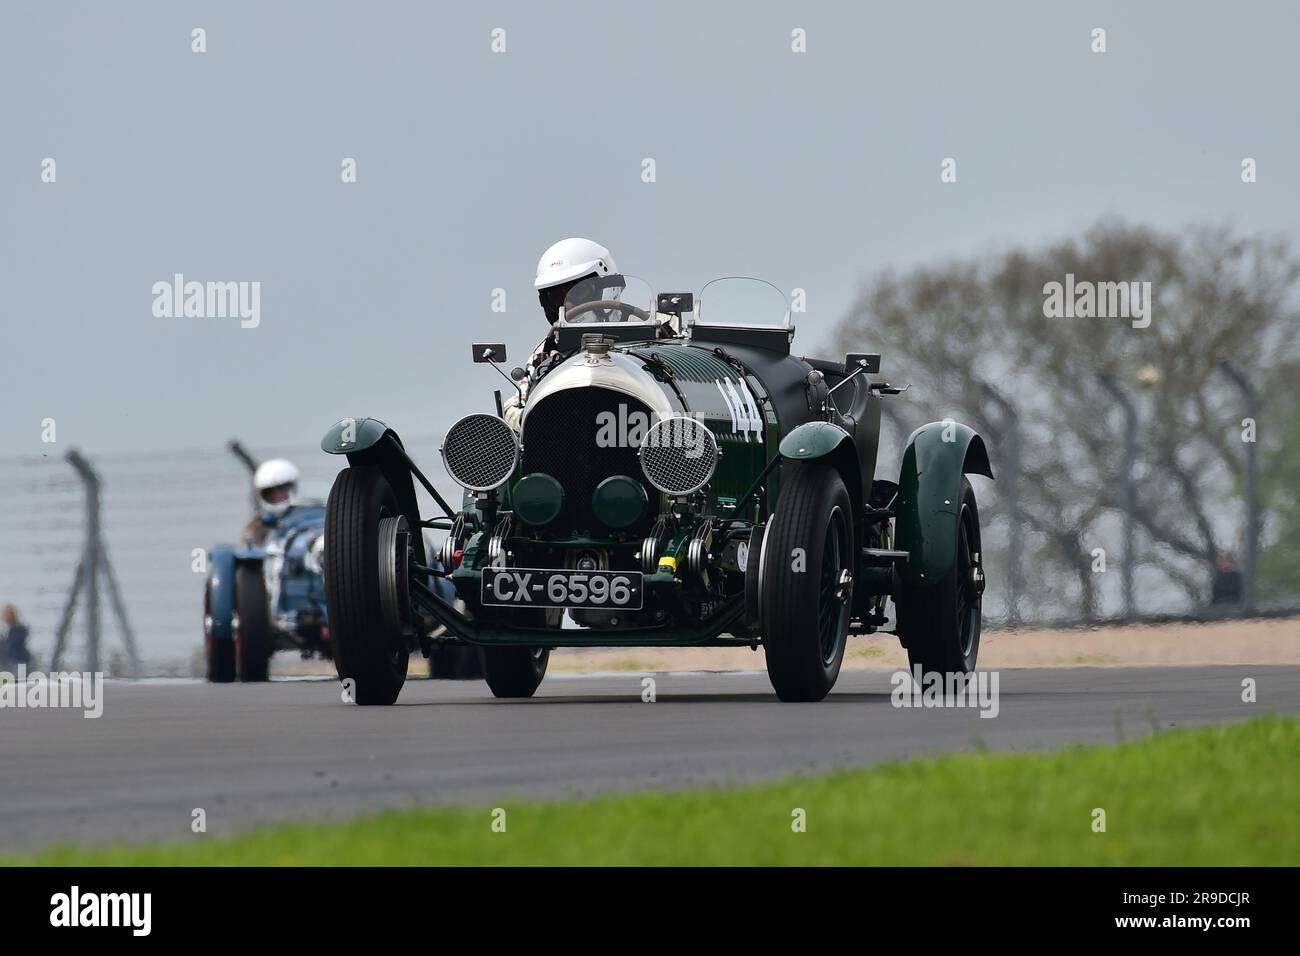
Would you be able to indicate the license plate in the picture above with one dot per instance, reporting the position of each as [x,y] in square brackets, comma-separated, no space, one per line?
[536,587]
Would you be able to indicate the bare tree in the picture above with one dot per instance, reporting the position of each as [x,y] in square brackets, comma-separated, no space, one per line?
[961,328]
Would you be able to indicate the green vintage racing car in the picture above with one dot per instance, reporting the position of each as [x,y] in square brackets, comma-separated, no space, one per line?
[679,479]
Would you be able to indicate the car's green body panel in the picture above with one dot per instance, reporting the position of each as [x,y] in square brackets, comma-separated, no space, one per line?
[698,382]
[929,486]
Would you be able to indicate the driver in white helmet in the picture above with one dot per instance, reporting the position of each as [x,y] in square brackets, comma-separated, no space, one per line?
[562,266]
[276,485]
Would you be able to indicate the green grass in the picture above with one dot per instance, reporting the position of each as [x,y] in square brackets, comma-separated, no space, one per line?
[1217,796]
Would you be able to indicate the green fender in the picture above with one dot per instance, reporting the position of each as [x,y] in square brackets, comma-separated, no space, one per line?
[351,435]
[925,525]
[827,441]
[362,440]
[812,440]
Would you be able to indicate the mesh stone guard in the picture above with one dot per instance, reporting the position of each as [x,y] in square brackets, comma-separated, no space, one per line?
[679,455]
[480,452]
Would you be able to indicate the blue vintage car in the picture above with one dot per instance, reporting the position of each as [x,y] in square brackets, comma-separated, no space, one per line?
[259,600]
[262,599]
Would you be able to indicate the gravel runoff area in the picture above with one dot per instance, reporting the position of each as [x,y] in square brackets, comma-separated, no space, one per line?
[1274,641]
[1271,641]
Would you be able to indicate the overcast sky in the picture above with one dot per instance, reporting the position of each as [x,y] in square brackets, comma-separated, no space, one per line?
[809,169]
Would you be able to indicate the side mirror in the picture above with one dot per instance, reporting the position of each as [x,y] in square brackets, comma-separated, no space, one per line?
[675,303]
[494,352]
[517,374]
[868,362]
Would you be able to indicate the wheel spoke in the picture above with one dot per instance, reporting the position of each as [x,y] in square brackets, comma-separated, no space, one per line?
[966,596]
[831,604]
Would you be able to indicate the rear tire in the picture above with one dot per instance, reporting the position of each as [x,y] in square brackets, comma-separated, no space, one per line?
[455,663]
[807,584]
[514,671]
[252,644]
[374,659]
[940,624]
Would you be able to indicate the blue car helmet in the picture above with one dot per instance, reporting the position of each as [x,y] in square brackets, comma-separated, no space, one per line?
[276,485]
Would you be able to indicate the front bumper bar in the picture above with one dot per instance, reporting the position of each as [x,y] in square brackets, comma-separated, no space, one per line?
[488,634]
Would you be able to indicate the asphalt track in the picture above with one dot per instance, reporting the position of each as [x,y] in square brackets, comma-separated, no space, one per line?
[254,754]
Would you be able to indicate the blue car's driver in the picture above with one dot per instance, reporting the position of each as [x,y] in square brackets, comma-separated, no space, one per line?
[276,485]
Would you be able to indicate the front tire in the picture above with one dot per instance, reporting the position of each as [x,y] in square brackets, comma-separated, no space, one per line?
[940,624]
[252,642]
[220,653]
[365,652]
[807,583]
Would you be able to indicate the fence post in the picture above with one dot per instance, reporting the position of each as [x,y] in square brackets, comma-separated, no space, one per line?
[85,582]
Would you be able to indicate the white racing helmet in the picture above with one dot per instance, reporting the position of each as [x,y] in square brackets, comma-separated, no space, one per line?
[276,484]
[564,266]
[571,259]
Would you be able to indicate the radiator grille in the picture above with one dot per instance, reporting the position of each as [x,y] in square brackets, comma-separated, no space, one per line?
[560,433]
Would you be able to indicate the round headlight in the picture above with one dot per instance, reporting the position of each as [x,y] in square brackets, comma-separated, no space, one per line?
[480,452]
[538,499]
[619,502]
[679,455]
